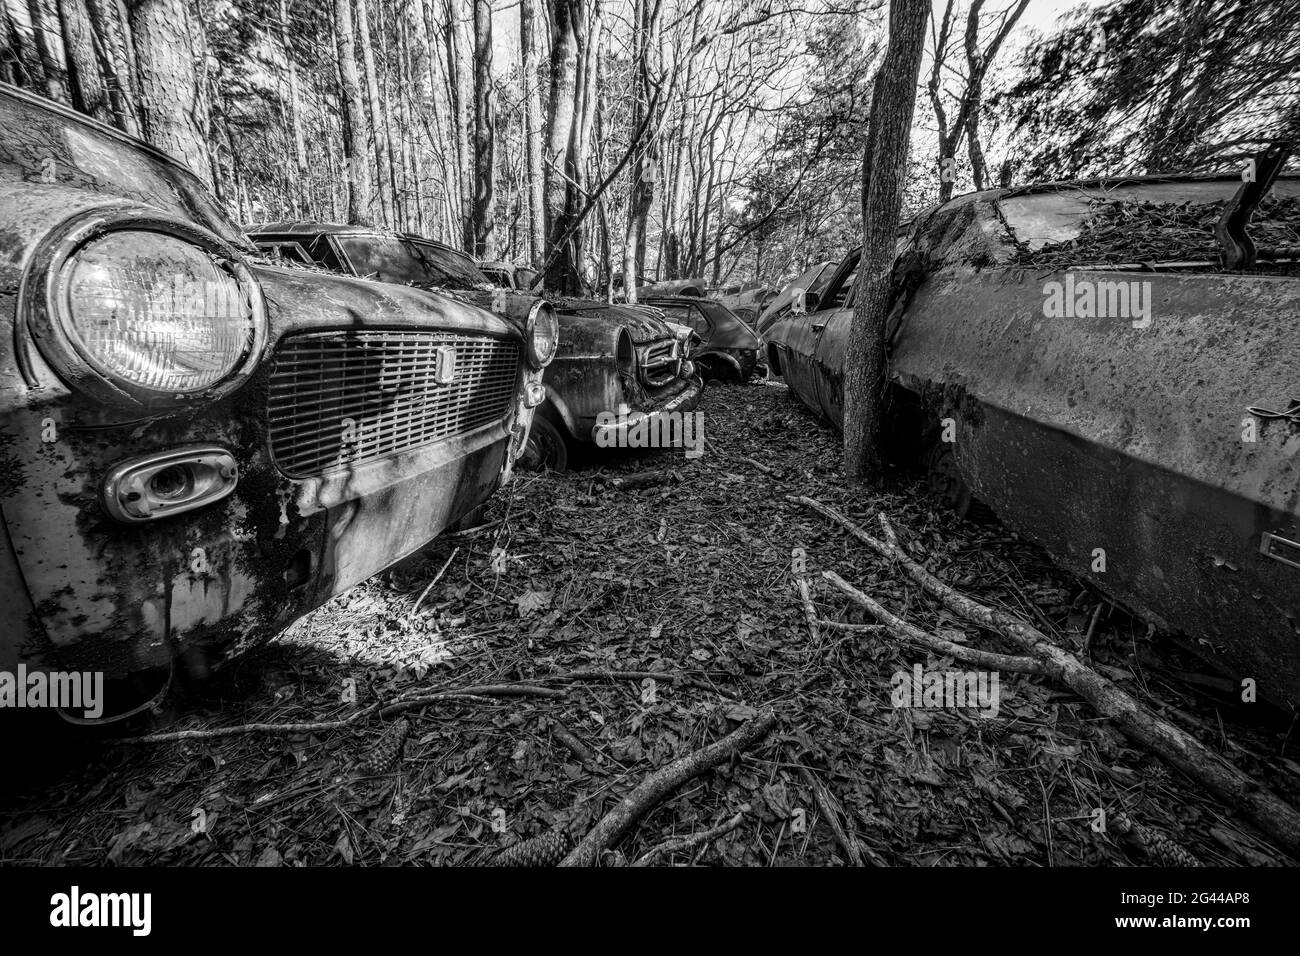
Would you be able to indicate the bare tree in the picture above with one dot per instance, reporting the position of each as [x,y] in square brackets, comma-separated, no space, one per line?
[883,169]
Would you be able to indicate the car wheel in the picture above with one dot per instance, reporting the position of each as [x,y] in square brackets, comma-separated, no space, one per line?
[546,449]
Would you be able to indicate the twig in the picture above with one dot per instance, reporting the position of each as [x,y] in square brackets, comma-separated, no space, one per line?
[479,693]
[766,469]
[1182,751]
[798,565]
[845,626]
[573,744]
[669,847]
[436,578]
[827,803]
[662,782]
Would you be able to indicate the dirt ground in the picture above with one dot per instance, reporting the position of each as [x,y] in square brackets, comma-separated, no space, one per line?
[685,573]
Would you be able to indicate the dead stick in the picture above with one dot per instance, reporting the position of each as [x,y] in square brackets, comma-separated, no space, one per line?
[914,635]
[669,847]
[827,804]
[1268,812]
[436,578]
[662,782]
[318,726]
[766,469]
[799,567]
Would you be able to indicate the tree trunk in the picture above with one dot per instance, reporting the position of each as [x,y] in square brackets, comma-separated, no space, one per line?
[883,168]
[86,79]
[117,59]
[378,123]
[49,47]
[301,176]
[561,271]
[167,47]
[484,128]
[356,165]
[458,88]
[645,162]
[532,131]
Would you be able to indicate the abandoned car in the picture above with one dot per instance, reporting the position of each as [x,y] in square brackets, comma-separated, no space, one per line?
[1110,388]
[198,448]
[609,357]
[728,349]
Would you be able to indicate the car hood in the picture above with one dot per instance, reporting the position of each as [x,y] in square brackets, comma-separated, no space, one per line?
[640,325]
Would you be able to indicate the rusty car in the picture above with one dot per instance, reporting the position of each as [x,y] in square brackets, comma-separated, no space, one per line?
[612,360]
[1109,366]
[728,349]
[198,447]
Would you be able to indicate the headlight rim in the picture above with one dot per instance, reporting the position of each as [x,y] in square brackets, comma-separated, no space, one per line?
[44,300]
[535,360]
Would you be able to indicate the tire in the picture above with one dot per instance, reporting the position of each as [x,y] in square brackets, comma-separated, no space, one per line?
[547,448]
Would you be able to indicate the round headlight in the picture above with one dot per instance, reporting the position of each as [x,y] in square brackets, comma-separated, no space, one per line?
[154,312]
[543,335]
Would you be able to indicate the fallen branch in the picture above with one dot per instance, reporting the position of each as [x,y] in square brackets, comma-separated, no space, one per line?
[798,565]
[1181,750]
[588,757]
[669,847]
[766,469]
[666,677]
[662,782]
[481,693]
[436,578]
[914,635]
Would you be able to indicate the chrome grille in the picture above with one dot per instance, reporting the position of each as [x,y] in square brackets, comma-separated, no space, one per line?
[659,362]
[344,398]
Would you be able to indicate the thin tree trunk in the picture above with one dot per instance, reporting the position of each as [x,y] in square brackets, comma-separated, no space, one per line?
[86,79]
[48,38]
[484,129]
[561,274]
[356,166]
[532,131]
[378,124]
[889,136]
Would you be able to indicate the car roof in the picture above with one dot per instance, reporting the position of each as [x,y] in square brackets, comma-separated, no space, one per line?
[497,264]
[310,228]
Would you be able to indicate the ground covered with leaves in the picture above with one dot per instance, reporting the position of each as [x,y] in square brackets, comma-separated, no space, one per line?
[648,602]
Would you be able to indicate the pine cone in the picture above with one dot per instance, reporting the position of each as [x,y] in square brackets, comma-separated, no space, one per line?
[1163,850]
[388,751]
[1158,846]
[545,849]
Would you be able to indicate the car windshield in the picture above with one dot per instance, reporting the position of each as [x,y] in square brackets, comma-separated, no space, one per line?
[1141,222]
[411,262]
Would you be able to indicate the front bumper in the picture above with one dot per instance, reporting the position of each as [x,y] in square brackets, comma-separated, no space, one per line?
[614,433]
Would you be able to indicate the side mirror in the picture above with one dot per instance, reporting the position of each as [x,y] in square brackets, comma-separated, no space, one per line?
[804,302]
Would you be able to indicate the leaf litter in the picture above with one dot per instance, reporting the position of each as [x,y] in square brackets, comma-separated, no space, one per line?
[675,604]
